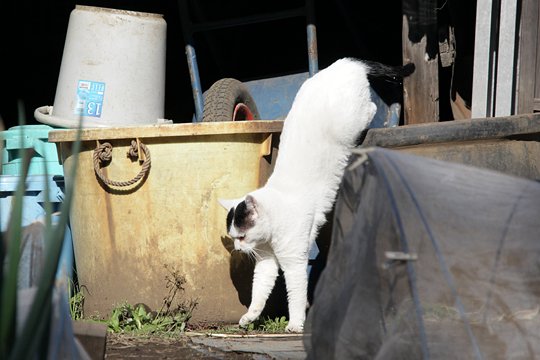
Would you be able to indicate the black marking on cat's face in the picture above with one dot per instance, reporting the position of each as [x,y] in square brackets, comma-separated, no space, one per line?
[242,216]
[230,217]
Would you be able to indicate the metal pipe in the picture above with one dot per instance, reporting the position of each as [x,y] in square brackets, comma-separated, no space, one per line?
[196,87]
[195,82]
[313,58]
[312,50]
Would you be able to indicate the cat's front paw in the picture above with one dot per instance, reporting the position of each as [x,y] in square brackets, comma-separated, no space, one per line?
[246,319]
[295,327]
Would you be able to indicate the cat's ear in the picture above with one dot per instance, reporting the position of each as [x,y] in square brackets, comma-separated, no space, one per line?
[228,204]
[251,203]
[252,207]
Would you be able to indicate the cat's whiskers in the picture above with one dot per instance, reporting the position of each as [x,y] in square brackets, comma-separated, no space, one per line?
[253,254]
[249,253]
[258,254]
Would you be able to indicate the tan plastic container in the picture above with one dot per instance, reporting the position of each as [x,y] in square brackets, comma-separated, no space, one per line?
[123,236]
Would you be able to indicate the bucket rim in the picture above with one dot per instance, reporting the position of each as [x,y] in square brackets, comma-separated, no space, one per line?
[168,130]
[44,115]
[117,11]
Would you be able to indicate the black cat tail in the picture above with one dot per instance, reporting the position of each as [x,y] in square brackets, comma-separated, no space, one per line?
[378,70]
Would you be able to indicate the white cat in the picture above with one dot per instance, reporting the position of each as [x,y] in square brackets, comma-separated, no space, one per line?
[278,223]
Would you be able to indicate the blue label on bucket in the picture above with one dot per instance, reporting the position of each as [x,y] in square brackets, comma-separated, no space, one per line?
[90,98]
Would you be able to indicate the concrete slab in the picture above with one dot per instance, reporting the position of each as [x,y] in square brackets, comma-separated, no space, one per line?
[274,346]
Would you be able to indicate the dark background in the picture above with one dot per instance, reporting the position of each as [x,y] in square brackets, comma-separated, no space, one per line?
[33,34]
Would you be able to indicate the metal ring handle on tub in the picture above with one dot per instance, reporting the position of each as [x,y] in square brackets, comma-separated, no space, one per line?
[103,153]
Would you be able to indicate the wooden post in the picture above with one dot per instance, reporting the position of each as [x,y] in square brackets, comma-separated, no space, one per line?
[483,74]
[494,78]
[421,89]
[528,53]
[506,59]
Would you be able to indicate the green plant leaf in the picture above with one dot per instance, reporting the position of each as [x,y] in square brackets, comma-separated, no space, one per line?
[8,298]
[54,237]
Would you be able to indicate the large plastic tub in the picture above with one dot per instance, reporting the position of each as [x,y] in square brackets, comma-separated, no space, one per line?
[125,236]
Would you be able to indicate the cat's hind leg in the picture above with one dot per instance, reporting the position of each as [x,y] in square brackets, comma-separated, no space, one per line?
[264,278]
[296,280]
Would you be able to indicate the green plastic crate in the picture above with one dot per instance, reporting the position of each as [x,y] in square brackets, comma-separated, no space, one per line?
[29,137]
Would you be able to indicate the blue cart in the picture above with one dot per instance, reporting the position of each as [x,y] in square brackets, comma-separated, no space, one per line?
[229,99]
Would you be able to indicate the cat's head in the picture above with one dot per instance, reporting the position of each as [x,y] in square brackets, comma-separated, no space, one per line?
[245,222]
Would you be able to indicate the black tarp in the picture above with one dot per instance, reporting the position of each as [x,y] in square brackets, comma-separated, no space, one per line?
[472,286]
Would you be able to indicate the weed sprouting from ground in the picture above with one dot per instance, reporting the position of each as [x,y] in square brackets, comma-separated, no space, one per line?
[268,325]
[175,282]
[170,319]
[76,301]
[276,325]
[177,312]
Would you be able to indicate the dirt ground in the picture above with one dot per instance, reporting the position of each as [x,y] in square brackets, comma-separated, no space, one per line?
[130,347]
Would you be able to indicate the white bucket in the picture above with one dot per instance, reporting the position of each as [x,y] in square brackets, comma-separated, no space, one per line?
[112,72]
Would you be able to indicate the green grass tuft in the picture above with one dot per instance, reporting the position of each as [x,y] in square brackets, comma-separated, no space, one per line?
[169,320]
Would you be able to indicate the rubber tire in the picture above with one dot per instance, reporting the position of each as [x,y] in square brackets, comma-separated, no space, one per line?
[222,97]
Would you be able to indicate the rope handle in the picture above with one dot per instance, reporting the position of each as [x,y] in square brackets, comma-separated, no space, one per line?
[103,153]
